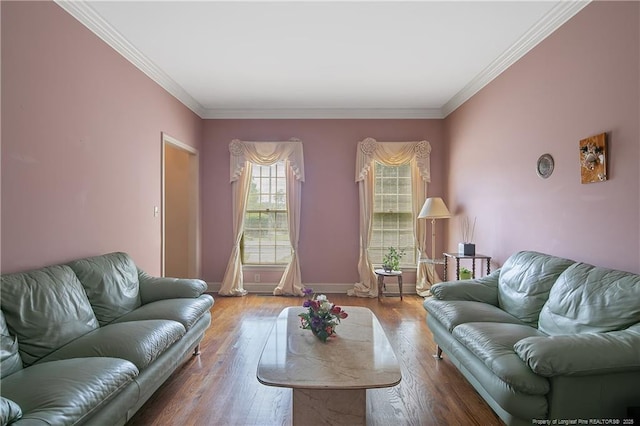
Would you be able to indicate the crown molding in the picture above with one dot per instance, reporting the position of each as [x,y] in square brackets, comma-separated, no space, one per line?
[555,18]
[324,113]
[85,14]
[88,17]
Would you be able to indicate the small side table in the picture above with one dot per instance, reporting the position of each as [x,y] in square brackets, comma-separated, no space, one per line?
[381,273]
[473,258]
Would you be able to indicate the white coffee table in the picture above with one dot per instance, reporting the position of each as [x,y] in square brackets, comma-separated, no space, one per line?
[329,380]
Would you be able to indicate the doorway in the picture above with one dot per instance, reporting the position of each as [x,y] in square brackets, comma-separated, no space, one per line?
[180,210]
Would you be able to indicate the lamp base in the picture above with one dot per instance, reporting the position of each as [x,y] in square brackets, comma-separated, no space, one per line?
[467,249]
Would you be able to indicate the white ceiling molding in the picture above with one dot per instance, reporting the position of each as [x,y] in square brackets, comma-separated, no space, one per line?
[81,10]
[85,14]
[325,113]
[555,18]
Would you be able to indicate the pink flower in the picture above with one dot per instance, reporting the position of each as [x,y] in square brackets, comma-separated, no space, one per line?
[336,310]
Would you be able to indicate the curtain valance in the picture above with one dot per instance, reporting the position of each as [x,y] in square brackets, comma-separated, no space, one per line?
[393,154]
[266,154]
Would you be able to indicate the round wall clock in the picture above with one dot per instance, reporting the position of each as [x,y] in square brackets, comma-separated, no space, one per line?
[544,167]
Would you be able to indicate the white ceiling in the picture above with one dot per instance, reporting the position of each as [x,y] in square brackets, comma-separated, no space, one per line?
[320,59]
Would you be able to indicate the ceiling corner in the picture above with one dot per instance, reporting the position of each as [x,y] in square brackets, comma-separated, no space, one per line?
[553,20]
[88,17]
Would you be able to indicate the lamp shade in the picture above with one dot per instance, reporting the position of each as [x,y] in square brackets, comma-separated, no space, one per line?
[434,208]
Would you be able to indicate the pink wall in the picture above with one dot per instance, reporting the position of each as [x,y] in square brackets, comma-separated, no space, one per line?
[329,238]
[580,81]
[81,143]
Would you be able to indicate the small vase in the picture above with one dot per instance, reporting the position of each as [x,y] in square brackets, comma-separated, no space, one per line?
[322,334]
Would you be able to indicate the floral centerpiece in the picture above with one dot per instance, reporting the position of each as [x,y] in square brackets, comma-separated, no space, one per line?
[322,317]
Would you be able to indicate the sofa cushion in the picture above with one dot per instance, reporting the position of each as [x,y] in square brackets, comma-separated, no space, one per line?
[589,299]
[153,289]
[66,392]
[9,411]
[10,360]
[525,280]
[140,342]
[185,311]
[582,353]
[452,313]
[45,309]
[493,344]
[111,283]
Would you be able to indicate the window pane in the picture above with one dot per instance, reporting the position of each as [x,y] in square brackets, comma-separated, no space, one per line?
[393,217]
[266,233]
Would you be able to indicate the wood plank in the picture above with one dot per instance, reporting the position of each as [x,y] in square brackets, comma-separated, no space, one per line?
[220,387]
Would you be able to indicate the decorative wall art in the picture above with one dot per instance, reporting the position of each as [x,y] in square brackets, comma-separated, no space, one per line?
[593,159]
[544,166]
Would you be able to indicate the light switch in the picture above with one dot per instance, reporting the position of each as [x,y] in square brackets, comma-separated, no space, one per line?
[156,211]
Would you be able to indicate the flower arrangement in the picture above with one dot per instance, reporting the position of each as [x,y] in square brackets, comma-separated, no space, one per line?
[322,316]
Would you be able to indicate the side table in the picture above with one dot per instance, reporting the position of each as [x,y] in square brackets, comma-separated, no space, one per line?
[473,258]
[381,273]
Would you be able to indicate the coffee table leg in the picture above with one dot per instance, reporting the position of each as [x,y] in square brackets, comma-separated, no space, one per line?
[330,406]
[380,285]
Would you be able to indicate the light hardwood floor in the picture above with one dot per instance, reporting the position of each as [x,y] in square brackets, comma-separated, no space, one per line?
[219,387]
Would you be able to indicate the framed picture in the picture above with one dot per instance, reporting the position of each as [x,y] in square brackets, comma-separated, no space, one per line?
[593,159]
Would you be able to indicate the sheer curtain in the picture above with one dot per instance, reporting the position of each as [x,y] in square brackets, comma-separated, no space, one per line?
[391,154]
[243,155]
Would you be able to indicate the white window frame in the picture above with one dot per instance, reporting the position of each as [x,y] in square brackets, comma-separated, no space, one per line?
[268,189]
[376,253]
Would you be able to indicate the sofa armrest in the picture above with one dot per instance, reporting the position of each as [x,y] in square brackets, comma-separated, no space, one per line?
[483,289]
[581,354]
[154,288]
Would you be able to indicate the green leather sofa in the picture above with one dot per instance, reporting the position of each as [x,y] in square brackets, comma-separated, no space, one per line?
[90,341]
[545,339]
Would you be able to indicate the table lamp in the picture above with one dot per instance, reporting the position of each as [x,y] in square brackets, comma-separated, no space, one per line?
[434,208]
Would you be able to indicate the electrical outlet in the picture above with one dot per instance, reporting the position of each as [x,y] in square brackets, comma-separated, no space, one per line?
[256,278]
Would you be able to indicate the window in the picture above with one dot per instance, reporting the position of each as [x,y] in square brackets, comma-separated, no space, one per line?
[266,231]
[392,213]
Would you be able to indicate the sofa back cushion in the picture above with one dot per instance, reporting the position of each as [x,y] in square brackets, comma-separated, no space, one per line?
[10,360]
[45,309]
[524,283]
[111,283]
[588,299]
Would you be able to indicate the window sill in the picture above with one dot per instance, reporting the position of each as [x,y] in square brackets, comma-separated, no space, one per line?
[255,267]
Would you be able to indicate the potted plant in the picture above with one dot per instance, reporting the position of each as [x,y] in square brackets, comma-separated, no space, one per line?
[465,274]
[391,260]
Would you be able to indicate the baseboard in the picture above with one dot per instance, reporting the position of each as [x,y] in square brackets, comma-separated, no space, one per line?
[324,288]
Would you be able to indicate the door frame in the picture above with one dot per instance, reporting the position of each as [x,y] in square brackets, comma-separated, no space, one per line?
[194,204]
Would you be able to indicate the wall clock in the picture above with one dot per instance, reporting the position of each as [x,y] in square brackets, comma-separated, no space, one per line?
[544,167]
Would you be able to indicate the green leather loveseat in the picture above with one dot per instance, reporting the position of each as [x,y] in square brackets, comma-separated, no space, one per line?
[90,341]
[545,339]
